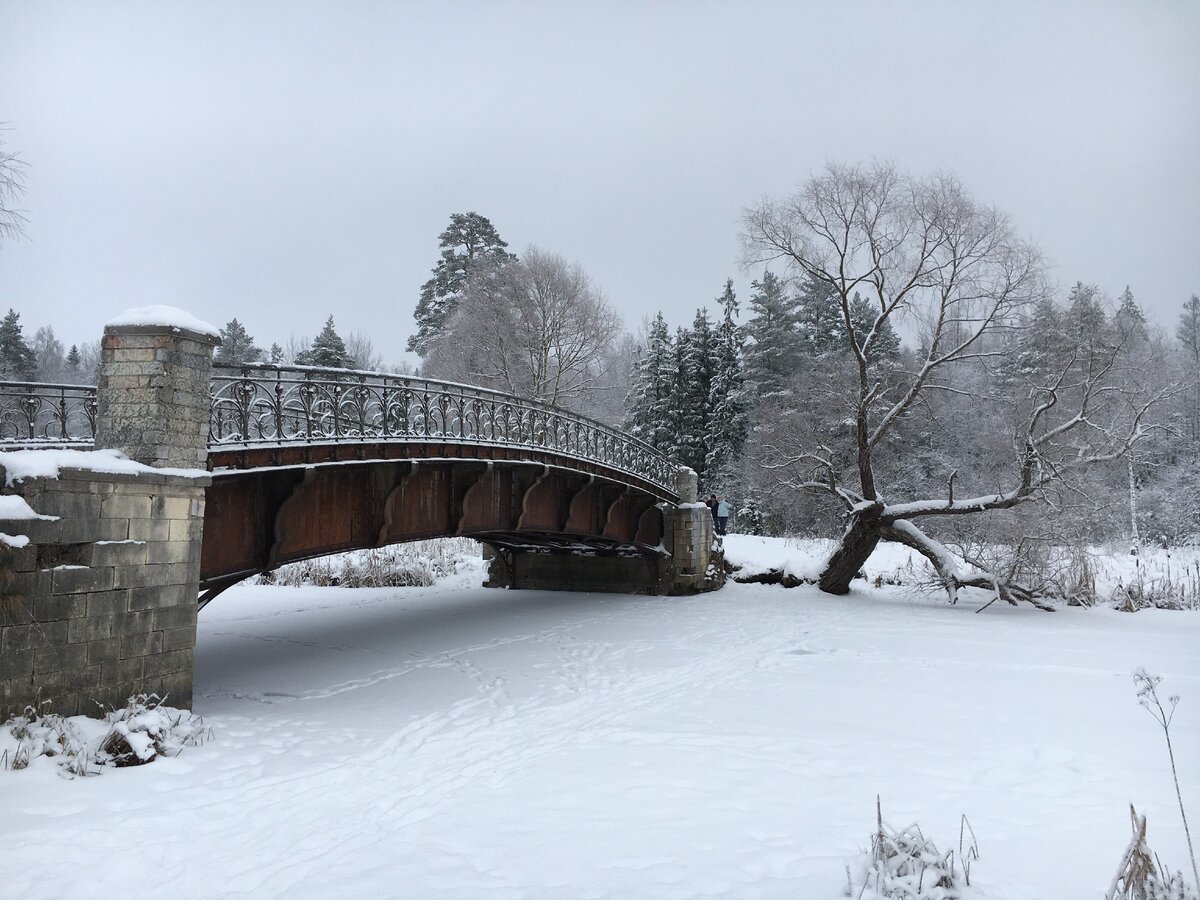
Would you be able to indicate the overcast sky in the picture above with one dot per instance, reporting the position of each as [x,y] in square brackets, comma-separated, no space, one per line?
[279,162]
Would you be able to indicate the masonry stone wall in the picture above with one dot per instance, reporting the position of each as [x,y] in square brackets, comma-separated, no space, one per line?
[153,395]
[101,603]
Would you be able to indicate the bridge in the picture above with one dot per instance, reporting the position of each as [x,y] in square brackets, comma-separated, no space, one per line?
[235,471]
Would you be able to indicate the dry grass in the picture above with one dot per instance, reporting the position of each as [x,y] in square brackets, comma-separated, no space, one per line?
[416,564]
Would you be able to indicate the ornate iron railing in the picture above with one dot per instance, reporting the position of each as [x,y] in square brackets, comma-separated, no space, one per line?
[39,415]
[263,405]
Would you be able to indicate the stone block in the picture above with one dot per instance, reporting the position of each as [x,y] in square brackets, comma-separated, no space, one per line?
[170,661]
[141,645]
[16,664]
[103,603]
[171,507]
[70,504]
[126,506]
[157,596]
[119,553]
[16,611]
[52,607]
[149,530]
[179,638]
[34,636]
[80,579]
[30,584]
[134,622]
[175,688]
[59,656]
[187,530]
[69,679]
[103,651]
[89,629]
[172,552]
[121,670]
[171,617]
[75,531]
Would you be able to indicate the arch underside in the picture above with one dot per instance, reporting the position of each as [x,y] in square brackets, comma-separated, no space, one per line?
[257,519]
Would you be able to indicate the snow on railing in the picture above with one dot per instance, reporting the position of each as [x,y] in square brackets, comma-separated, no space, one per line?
[262,405]
[33,414]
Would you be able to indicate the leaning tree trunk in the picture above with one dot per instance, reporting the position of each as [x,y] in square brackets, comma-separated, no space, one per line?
[858,543]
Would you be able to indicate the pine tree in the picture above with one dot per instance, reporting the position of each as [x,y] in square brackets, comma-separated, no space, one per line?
[697,364]
[772,338]
[17,360]
[276,355]
[1130,321]
[1188,334]
[819,319]
[727,423]
[651,391]
[74,360]
[1086,324]
[863,314]
[328,350]
[470,238]
[237,346]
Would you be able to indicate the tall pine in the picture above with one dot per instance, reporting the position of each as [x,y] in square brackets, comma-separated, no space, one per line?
[17,359]
[468,239]
[328,350]
[237,346]
[772,347]
[727,422]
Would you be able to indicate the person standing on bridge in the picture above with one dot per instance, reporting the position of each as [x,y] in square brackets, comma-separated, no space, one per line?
[721,512]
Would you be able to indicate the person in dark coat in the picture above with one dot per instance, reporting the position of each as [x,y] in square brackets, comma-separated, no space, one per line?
[721,511]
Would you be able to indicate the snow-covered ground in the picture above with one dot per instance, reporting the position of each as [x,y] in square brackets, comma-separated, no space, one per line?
[457,742]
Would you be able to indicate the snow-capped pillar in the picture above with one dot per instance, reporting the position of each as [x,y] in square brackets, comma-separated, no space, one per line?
[687,484]
[153,390]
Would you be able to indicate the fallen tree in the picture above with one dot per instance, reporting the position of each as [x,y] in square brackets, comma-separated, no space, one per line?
[931,261]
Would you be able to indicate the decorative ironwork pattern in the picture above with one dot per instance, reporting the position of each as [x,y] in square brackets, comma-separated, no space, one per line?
[261,405]
[39,415]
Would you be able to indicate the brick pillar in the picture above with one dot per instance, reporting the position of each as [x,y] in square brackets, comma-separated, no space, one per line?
[153,394]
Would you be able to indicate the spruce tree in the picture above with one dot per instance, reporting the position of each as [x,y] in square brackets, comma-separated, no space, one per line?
[74,360]
[469,238]
[17,359]
[650,393]
[819,319]
[1130,321]
[328,350]
[863,314]
[697,364]
[772,347]
[1188,334]
[276,355]
[237,346]
[727,423]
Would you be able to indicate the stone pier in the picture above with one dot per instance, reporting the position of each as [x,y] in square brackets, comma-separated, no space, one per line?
[686,563]
[98,591]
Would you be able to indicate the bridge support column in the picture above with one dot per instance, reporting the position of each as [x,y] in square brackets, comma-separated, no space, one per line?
[153,394]
[98,589]
[685,563]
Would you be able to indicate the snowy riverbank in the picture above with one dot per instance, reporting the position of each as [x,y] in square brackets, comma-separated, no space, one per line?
[457,742]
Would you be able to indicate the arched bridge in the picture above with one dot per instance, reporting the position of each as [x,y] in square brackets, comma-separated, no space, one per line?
[306,462]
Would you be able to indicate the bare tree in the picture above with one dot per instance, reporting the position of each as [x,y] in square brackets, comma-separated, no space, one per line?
[536,327]
[12,188]
[361,350]
[926,255]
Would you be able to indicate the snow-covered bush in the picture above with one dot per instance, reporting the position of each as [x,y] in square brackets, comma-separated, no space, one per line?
[416,564]
[138,733]
[906,865]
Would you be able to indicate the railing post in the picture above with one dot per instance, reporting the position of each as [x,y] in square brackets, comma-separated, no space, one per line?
[153,392]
